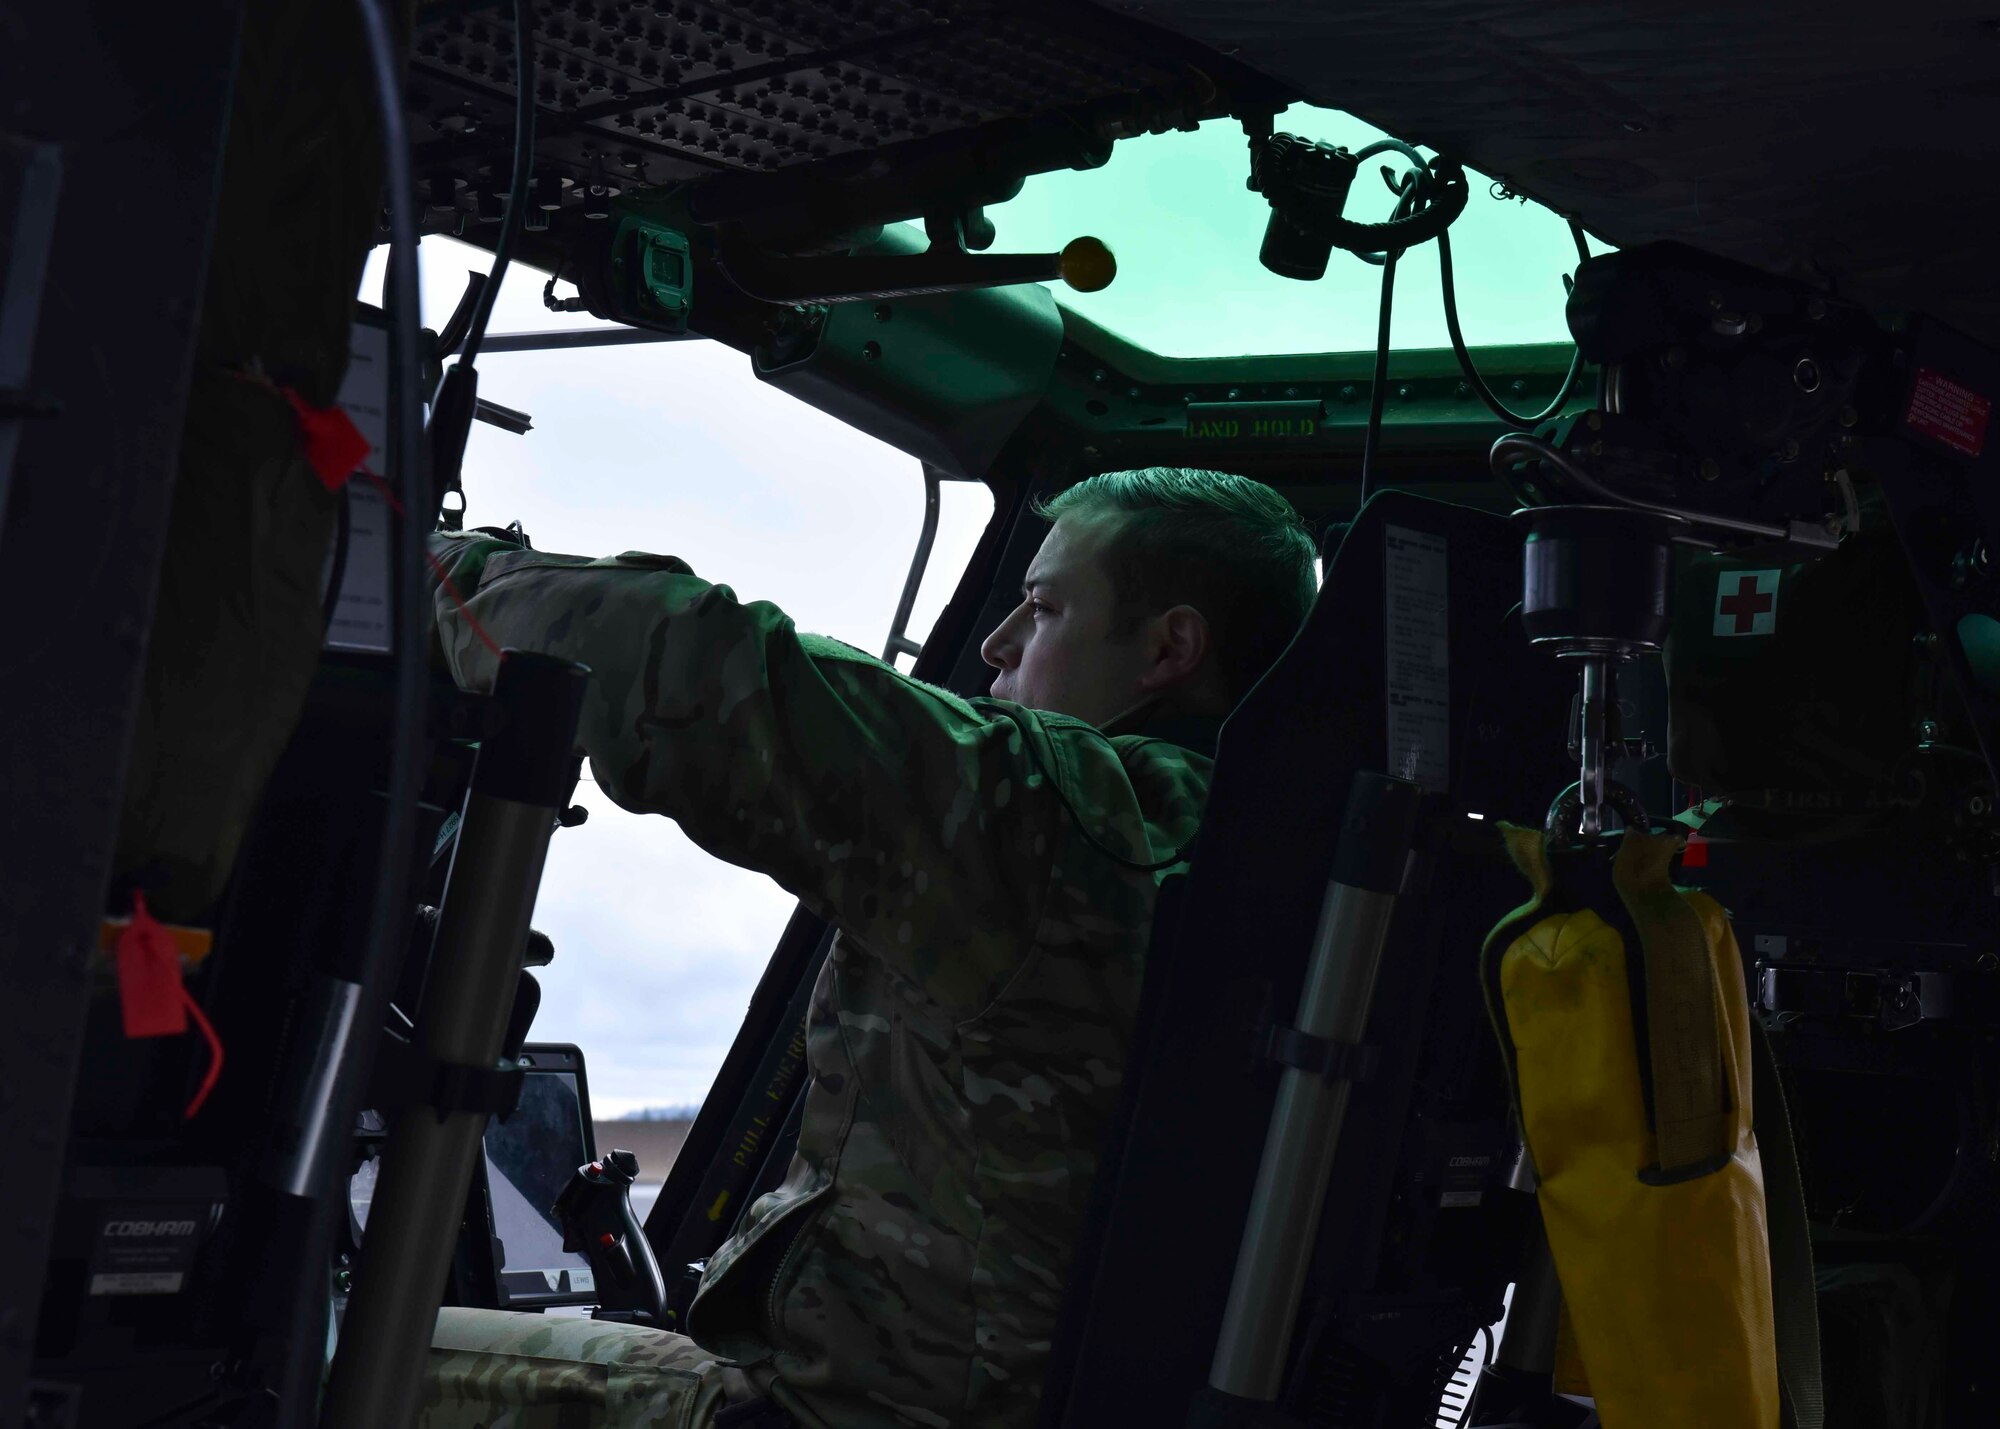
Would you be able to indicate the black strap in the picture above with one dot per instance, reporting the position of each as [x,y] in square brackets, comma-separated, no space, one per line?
[1794,1299]
[404,1076]
[1325,1058]
[495,1090]
[754,1414]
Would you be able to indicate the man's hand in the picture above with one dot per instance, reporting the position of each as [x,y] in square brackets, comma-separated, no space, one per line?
[453,572]
[502,593]
[461,557]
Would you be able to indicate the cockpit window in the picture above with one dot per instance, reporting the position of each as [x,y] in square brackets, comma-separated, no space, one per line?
[677,448]
[1186,232]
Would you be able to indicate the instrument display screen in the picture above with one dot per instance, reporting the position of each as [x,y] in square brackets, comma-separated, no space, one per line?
[529,1159]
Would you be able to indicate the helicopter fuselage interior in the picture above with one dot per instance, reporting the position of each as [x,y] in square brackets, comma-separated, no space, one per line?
[1765,452]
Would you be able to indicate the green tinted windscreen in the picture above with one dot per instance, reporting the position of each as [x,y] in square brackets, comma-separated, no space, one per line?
[1186,232]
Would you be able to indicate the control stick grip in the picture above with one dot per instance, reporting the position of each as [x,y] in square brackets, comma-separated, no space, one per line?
[595,1213]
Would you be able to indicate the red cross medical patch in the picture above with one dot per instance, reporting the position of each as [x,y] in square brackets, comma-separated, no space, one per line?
[1746,603]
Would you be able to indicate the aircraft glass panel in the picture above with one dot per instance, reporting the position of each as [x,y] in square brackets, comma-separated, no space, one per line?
[1185,231]
[677,448]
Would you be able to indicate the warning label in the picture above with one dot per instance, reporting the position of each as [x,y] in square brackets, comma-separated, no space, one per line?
[1419,664]
[1955,415]
[146,1249]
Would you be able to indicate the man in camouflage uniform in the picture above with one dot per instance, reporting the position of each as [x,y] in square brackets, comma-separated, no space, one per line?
[992,865]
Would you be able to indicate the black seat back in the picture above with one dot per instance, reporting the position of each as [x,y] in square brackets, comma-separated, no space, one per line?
[1146,1295]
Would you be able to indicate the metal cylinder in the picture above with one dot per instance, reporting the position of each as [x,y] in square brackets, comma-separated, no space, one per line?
[1593,720]
[496,873]
[1596,579]
[1304,1134]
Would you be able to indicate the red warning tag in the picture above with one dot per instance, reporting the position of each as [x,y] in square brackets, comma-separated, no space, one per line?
[149,977]
[1948,412]
[335,447]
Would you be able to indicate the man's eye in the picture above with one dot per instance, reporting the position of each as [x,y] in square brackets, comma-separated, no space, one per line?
[1038,608]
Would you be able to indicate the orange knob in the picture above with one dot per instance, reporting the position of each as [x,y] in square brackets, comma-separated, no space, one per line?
[1087,265]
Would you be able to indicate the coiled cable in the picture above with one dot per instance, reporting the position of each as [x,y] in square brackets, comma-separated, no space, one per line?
[1448,285]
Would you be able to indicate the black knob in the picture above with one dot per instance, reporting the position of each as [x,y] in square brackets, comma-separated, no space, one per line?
[622,1164]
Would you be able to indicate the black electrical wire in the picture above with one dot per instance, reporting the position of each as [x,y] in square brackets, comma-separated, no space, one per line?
[1378,389]
[388,920]
[1419,165]
[1411,193]
[1435,189]
[388,917]
[1472,377]
[517,192]
[1392,146]
[457,399]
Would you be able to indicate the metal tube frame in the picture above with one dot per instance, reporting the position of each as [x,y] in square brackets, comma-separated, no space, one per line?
[1590,746]
[503,841]
[899,642]
[1272,1262]
[578,337]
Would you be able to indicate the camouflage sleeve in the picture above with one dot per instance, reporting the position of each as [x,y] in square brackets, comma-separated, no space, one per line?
[922,825]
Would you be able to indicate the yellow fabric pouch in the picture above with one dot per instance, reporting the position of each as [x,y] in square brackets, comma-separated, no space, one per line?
[1632,1071]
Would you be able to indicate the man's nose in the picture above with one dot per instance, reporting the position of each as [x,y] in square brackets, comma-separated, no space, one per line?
[1000,649]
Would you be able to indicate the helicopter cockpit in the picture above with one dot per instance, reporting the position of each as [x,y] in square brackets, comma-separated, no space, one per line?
[1672,531]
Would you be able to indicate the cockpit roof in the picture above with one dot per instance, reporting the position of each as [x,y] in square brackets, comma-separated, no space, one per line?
[1859,145]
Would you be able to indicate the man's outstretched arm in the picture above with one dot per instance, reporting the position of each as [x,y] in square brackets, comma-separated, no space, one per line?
[922,826]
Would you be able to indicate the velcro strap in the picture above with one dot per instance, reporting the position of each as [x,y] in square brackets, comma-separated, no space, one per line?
[404,1076]
[494,1090]
[1322,1056]
[1692,1119]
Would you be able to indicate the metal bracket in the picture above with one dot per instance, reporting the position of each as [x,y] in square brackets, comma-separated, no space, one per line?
[1325,1058]
[1892,1000]
[505,418]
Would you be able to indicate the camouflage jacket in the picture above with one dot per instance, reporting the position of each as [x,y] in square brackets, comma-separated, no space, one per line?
[993,873]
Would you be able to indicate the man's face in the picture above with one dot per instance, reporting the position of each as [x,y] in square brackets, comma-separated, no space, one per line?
[1060,649]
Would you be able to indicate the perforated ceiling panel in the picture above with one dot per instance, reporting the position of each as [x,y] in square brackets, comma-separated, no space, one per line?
[645,92]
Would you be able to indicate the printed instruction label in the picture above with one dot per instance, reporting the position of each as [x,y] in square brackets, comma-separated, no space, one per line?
[1416,616]
[364,392]
[361,615]
[1949,412]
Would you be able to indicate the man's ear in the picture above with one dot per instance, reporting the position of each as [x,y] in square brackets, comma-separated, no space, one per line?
[1181,644]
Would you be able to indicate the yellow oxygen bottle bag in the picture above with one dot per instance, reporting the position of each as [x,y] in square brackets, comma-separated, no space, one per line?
[1621,1008]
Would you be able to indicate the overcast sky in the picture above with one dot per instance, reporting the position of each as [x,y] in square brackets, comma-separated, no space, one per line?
[677,448]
